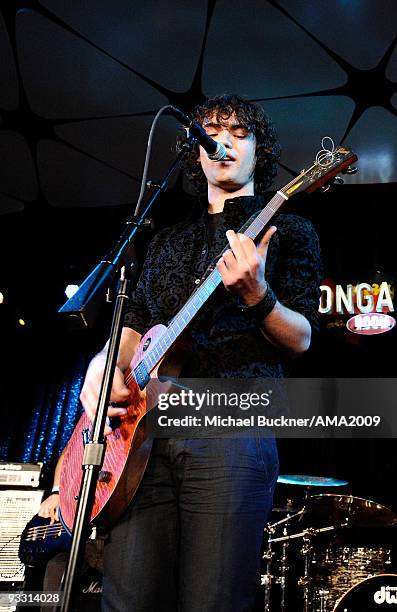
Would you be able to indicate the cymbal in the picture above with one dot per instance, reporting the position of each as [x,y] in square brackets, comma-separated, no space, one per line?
[346,510]
[311,481]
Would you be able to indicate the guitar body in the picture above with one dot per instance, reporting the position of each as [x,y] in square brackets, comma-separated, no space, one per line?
[127,449]
[40,541]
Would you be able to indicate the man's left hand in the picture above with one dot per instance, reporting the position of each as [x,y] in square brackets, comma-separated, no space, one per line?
[242,267]
[49,508]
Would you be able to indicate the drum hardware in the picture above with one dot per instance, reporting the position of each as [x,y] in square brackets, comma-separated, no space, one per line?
[306,551]
[284,567]
[323,599]
[330,568]
[305,581]
[268,579]
[310,532]
[287,519]
[343,567]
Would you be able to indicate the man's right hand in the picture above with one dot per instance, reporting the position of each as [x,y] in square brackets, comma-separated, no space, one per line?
[92,384]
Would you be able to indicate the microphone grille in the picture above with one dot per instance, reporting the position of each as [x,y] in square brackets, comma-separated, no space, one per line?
[219,154]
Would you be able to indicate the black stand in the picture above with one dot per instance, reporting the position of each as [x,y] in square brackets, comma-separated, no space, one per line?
[83,307]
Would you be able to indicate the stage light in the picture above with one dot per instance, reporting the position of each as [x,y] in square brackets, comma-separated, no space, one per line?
[1,298]
[71,290]
[21,322]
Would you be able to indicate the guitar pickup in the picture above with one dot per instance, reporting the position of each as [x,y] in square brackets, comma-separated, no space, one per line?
[141,375]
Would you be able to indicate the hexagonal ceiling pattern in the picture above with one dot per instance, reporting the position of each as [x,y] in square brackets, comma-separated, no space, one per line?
[81,82]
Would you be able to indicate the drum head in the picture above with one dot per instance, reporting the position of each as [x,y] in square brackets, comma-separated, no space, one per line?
[370,595]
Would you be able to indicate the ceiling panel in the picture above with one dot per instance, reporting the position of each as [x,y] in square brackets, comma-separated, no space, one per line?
[159,39]
[71,179]
[17,170]
[66,77]
[301,123]
[374,139]
[358,30]
[254,50]
[121,142]
[91,75]
[8,71]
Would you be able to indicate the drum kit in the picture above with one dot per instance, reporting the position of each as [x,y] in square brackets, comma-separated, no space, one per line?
[329,553]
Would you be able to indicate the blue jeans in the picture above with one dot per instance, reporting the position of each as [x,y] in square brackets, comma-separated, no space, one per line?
[191,539]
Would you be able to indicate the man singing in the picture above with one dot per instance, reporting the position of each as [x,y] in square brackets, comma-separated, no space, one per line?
[190,540]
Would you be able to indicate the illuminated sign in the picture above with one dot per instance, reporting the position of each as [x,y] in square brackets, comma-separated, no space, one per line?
[361,298]
[369,303]
[370,324]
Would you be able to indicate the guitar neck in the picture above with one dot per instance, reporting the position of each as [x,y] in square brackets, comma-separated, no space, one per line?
[197,300]
[327,164]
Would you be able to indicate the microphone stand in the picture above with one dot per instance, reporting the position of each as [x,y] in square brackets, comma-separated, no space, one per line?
[82,307]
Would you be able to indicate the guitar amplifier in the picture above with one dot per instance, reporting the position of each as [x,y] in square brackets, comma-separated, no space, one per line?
[16,508]
[20,474]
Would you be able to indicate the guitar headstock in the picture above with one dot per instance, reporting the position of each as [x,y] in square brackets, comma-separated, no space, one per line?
[325,168]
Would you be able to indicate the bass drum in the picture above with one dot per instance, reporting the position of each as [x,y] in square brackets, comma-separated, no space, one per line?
[375,593]
[336,569]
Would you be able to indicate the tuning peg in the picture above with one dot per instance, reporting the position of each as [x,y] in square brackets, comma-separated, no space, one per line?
[339,180]
[350,170]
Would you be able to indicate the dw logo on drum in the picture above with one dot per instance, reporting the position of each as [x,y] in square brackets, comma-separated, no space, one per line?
[385,595]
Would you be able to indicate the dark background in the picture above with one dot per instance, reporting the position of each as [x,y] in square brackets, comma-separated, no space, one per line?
[80,83]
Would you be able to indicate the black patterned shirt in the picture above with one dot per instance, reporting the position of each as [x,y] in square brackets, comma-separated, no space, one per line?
[226,342]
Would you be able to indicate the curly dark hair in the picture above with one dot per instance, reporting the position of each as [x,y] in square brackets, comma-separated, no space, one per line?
[253,118]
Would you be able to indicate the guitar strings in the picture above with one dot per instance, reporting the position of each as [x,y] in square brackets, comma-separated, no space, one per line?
[44,530]
[57,525]
[130,376]
[326,156]
[323,158]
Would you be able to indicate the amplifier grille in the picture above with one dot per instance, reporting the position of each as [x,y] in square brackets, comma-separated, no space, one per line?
[16,508]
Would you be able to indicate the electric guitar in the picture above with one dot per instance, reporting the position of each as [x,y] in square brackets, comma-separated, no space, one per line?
[40,541]
[128,447]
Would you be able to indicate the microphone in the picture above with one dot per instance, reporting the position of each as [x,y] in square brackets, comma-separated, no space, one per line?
[216,151]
